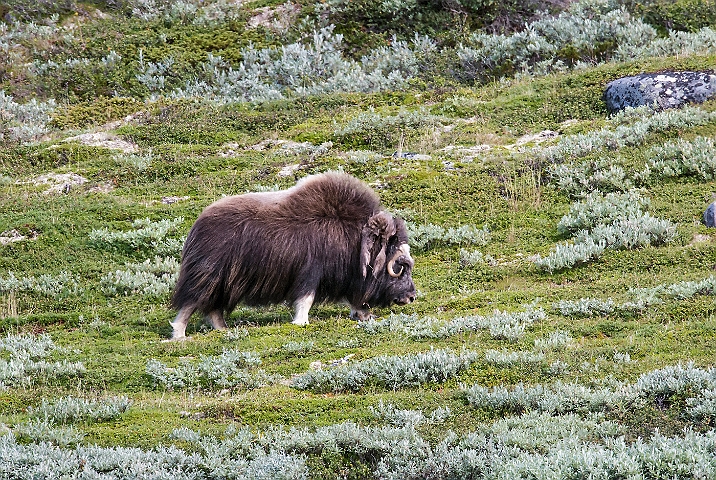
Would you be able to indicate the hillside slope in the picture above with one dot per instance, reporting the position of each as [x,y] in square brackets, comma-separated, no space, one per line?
[565,322]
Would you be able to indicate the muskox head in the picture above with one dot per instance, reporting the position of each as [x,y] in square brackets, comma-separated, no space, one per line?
[385,264]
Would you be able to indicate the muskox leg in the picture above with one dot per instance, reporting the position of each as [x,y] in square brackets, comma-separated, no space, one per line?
[180,322]
[302,306]
[216,317]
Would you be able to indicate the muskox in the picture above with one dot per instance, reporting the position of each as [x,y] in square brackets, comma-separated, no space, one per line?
[324,240]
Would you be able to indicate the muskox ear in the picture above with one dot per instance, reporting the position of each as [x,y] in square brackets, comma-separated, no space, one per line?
[374,241]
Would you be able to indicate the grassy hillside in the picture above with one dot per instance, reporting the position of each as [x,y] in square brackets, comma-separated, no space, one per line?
[565,324]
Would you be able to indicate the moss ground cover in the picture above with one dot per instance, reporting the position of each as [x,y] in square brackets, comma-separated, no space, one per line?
[107,158]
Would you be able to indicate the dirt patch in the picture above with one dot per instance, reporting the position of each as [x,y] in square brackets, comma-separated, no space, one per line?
[278,19]
[59,182]
[104,140]
[11,236]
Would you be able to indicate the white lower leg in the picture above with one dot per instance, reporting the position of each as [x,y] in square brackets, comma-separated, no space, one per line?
[216,318]
[180,322]
[302,306]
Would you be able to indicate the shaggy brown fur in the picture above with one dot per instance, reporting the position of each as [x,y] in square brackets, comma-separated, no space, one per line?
[326,237]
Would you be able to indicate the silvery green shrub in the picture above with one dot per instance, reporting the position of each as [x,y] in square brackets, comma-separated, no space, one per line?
[568,255]
[26,364]
[299,348]
[580,179]
[703,407]
[681,158]
[73,409]
[631,128]
[145,235]
[504,358]
[537,48]
[556,341]
[392,372]
[153,278]
[60,286]
[537,431]
[24,122]
[675,379]
[630,233]
[231,369]
[585,307]
[498,324]
[596,208]
[679,290]
[676,44]
[314,67]
[614,221]
[386,130]
[425,236]
[46,461]
[558,398]
[42,430]
[470,258]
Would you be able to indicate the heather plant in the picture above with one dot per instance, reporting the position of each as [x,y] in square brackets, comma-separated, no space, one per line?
[145,235]
[153,278]
[392,372]
[231,369]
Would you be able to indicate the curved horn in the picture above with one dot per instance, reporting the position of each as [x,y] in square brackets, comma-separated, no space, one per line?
[391,263]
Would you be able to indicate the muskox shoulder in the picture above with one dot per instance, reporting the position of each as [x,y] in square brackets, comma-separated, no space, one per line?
[334,195]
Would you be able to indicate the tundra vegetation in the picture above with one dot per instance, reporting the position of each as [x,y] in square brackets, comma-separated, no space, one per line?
[565,325]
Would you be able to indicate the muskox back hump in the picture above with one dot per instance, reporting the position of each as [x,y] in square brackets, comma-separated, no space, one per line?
[333,195]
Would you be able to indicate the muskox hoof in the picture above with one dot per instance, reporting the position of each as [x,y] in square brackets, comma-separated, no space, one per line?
[301,322]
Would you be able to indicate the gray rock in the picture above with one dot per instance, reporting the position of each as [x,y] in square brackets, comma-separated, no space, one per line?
[710,215]
[661,90]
